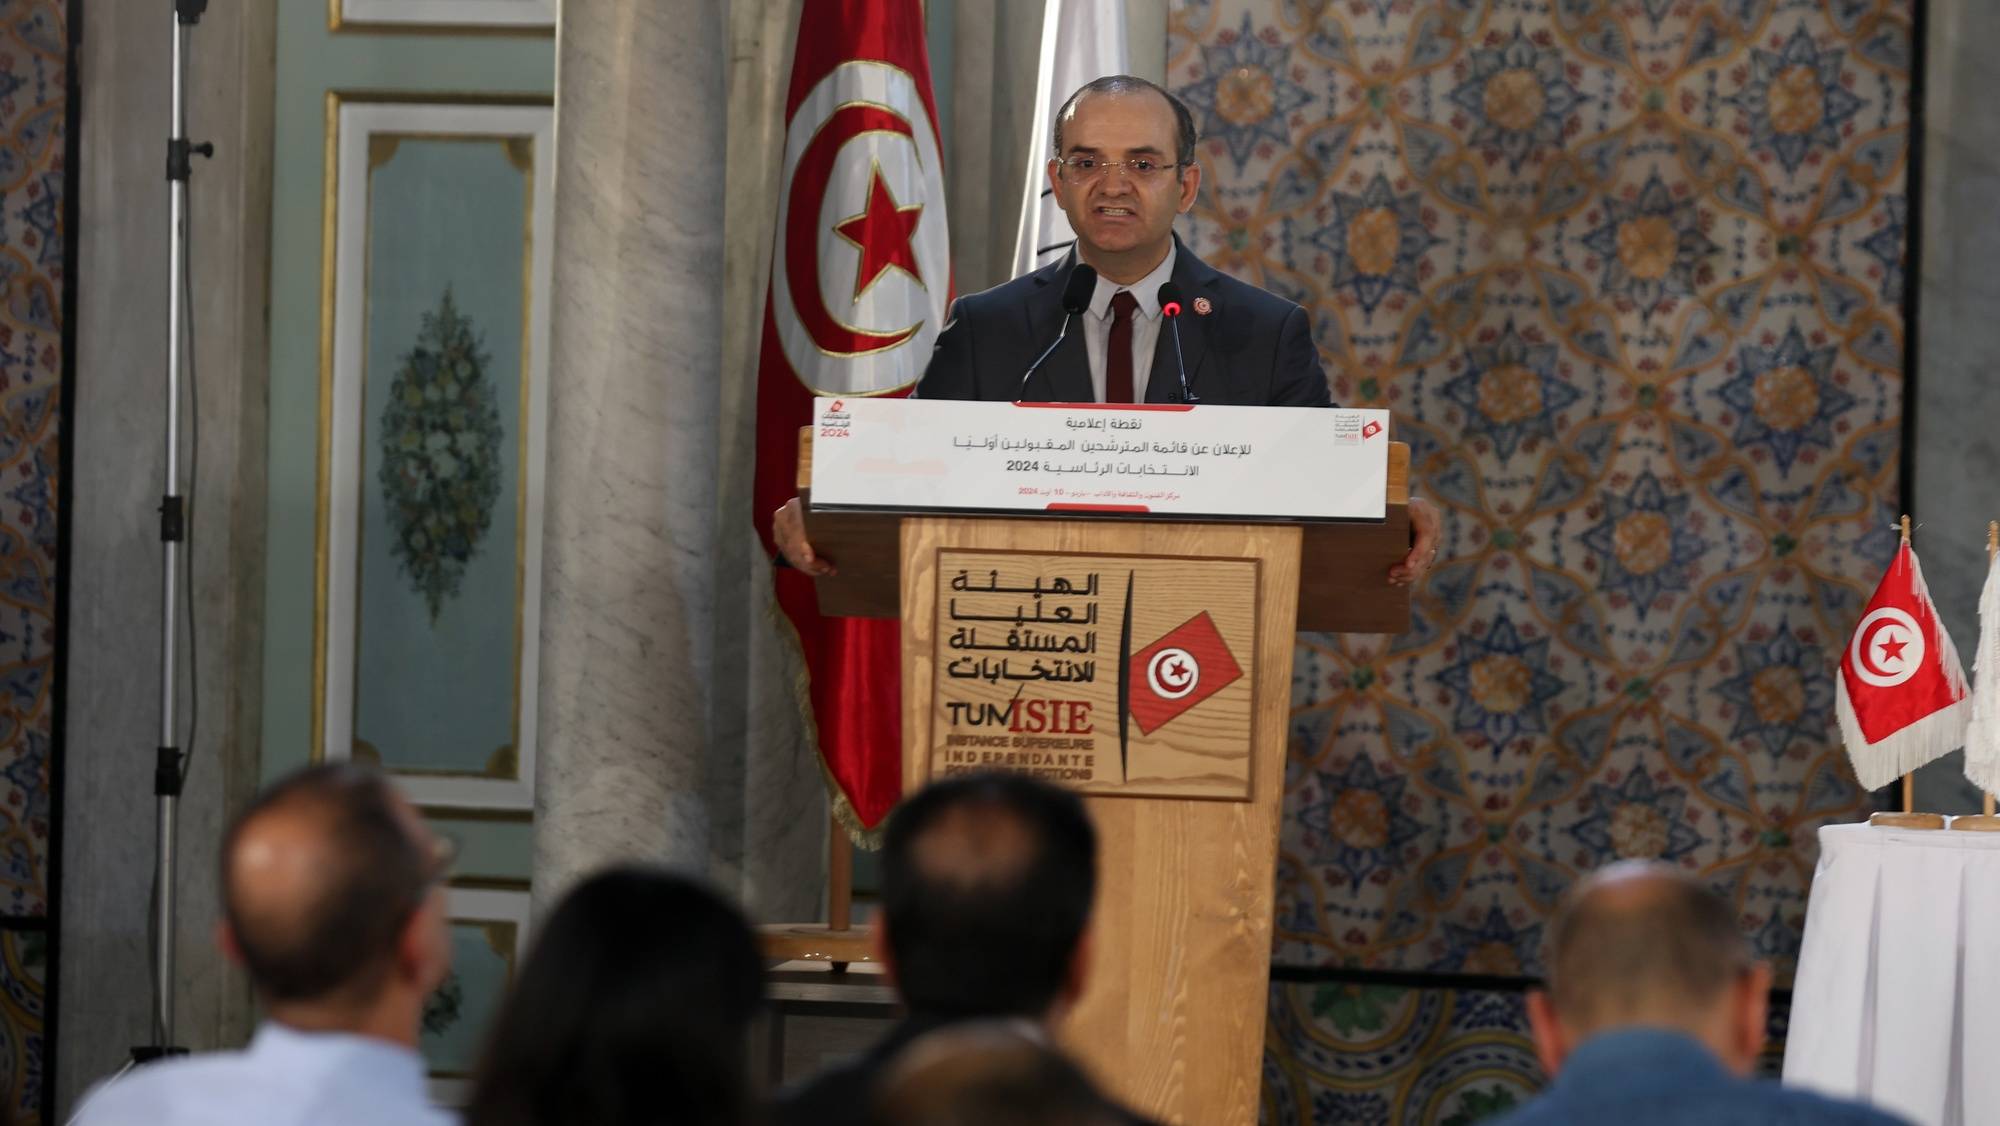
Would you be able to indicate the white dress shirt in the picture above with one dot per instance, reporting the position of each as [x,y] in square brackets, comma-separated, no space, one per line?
[284,1078]
[1145,324]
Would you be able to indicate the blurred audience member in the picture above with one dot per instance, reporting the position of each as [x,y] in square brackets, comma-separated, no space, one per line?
[1654,1013]
[332,904]
[987,885]
[633,1009]
[988,1074]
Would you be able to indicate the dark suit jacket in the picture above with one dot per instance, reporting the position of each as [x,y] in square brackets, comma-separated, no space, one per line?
[841,1095]
[1251,348]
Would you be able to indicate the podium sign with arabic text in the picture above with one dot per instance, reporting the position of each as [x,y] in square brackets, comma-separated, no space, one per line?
[1216,462]
[1110,674]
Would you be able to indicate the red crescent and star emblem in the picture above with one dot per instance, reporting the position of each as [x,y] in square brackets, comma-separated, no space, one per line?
[1888,648]
[1172,673]
[860,266]
[882,235]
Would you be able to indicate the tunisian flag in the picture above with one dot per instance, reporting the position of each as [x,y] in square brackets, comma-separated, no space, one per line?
[1901,697]
[860,282]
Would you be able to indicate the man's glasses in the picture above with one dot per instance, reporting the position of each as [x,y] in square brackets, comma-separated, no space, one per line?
[1089,169]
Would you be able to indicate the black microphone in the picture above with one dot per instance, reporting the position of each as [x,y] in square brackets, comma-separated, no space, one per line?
[1075,299]
[1170,308]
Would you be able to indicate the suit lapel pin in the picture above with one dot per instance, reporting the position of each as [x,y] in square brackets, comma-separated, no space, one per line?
[1203,306]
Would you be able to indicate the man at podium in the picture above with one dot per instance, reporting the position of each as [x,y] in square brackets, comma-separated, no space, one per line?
[1130,315]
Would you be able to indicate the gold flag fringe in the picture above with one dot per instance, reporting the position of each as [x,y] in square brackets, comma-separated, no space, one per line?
[841,809]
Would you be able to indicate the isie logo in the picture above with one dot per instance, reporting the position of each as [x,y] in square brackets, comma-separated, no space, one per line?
[834,420]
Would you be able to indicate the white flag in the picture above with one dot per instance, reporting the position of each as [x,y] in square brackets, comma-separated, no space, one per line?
[1082,40]
[1982,736]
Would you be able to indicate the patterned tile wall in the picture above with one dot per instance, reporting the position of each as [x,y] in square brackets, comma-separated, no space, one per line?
[23,1016]
[32,133]
[1370,1053]
[1363,1053]
[34,125]
[1629,272]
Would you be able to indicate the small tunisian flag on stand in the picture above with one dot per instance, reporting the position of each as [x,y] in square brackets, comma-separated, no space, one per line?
[860,281]
[1901,694]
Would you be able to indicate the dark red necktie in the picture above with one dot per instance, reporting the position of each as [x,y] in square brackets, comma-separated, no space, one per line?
[1118,349]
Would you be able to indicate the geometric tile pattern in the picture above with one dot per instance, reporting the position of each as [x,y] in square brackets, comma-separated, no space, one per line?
[1629,274]
[23,1058]
[1375,1054]
[33,125]
[1378,1054]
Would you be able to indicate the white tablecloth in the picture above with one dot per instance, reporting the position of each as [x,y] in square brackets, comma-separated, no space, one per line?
[1897,999]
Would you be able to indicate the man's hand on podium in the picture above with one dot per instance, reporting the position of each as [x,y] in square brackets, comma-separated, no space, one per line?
[788,528]
[1425,522]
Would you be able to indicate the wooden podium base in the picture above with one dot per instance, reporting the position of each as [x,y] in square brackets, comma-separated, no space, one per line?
[1149,668]
[1172,1018]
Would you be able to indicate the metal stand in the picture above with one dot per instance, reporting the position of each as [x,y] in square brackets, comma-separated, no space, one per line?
[168,761]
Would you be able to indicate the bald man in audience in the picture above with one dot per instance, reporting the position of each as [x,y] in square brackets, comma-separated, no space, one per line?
[333,903]
[987,886]
[1654,1013]
[989,1074]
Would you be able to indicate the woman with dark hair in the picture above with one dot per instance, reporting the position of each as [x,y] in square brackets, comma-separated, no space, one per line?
[634,1009]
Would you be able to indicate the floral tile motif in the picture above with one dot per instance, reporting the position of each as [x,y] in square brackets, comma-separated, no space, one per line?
[440,454]
[23,983]
[1629,275]
[1377,1054]
[33,121]
[1358,1054]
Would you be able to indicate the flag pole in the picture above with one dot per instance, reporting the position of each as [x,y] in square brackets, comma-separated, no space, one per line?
[1909,780]
[1909,818]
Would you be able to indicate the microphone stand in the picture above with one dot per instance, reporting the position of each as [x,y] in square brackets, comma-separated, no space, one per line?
[1180,362]
[168,758]
[1021,391]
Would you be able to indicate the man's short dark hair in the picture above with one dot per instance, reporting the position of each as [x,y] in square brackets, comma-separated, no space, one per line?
[987,884]
[1184,131]
[1641,940]
[336,936]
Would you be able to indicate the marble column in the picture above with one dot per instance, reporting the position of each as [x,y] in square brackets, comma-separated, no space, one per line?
[630,546]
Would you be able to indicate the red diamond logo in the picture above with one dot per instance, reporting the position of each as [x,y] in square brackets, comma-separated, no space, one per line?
[1183,668]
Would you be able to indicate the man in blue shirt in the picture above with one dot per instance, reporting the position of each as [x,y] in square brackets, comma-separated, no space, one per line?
[1654,1014]
[332,897]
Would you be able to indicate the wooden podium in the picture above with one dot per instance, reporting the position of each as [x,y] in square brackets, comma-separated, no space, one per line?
[1187,807]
